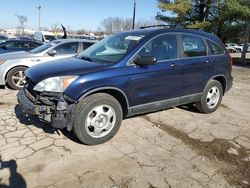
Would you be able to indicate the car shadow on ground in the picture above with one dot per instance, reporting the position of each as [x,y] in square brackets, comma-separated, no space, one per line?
[189,107]
[16,180]
[30,120]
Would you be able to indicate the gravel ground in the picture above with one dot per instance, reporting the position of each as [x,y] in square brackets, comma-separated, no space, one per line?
[177,147]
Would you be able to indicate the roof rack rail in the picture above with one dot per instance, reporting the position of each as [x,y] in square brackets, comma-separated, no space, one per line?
[164,26]
[177,26]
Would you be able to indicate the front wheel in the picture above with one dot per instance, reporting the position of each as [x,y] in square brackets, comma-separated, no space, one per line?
[16,78]
[98,118]
[211,97]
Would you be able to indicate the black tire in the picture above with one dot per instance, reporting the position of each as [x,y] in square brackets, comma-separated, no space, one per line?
[12,82]
[83,112]
[203,105]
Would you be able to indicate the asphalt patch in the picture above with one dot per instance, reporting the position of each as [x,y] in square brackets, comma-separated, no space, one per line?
[235,166]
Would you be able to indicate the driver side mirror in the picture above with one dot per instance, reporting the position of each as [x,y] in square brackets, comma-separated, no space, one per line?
[145,60]
[3,47]
[52,52]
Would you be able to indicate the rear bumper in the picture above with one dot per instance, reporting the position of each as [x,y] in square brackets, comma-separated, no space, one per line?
[229,84]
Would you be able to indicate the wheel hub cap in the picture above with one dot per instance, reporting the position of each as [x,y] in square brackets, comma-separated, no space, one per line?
[213,97]
[19,79]
[100,121]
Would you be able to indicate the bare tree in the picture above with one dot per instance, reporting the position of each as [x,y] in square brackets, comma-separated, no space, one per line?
[55,27]
[127,24]
[147,22]
[107,25]
[22,20]
[115,24]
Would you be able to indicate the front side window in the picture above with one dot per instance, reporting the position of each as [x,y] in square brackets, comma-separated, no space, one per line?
[111,49]
[215,49]
[163,47]
[32,45]
[67,48]
[193,46]
[85,45]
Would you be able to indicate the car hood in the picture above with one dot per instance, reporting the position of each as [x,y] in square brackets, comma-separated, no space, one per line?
[16,55]
[63,67]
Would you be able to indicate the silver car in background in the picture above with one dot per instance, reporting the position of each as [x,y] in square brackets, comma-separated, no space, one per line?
[13,65]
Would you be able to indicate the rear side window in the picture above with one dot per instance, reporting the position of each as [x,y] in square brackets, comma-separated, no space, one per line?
[25,44]
[163,47]
[215,48]
[193,46]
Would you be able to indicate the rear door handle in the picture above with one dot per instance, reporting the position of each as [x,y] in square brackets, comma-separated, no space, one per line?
[207,61]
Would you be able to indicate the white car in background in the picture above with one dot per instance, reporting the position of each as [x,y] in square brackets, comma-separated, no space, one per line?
[13,65]
[237,47]
[230,49]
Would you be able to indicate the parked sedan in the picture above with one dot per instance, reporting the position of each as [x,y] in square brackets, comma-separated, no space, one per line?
[237,47]
[13,65]
[230,49]
[15,45]
[3,38]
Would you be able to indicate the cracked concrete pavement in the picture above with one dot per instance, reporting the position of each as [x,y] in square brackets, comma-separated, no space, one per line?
[178,147]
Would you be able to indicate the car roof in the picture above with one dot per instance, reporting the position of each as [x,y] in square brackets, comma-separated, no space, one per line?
[73,40]
[22,40]
[156,31]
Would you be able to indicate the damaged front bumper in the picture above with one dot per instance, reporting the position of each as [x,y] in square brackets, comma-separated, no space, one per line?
[50,108]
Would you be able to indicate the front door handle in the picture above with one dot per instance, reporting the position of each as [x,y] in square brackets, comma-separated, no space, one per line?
[173,65]
[207,61]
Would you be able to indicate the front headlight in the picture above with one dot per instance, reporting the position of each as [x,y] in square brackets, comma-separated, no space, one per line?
[2,61]
[55,84]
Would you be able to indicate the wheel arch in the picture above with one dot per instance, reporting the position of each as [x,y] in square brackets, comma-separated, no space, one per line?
[223,81]
[117,93]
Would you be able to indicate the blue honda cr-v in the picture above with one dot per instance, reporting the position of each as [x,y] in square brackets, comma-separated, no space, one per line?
[126,74]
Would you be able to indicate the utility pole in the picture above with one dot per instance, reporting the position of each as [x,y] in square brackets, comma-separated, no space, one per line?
[245,46]
[39,17]
[133,26]
[247,35]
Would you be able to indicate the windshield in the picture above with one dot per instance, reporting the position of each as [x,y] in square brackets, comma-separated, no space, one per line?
[111,49]
[44,47]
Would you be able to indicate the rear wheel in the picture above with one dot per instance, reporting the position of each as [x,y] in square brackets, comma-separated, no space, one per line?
[211,97]
[98,118]
[16,78]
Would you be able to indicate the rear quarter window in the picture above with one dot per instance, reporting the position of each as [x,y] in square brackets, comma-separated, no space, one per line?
[193,46]
[214,48]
